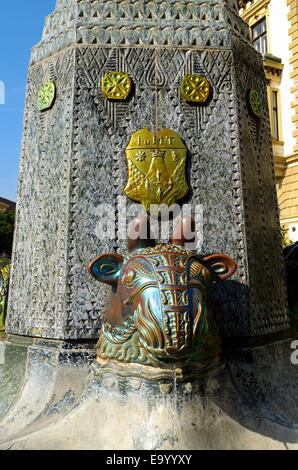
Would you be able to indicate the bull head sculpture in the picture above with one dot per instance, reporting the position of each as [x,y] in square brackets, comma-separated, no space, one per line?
[156,312]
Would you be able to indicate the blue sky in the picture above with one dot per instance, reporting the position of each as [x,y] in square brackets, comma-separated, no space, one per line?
[21,25]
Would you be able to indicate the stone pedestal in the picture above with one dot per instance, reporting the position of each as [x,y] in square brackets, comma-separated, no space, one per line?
[247,402]
[73,159]
[52,393]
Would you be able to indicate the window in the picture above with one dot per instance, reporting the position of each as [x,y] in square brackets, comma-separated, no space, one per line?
[259,36]
[275,123]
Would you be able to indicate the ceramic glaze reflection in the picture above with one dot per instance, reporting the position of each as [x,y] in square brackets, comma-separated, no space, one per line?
[156,312]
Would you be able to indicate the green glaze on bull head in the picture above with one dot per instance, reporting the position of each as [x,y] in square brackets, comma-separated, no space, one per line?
[4,281]
[156,311]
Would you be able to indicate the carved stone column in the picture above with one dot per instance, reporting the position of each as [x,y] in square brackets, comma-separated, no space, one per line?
[73,158]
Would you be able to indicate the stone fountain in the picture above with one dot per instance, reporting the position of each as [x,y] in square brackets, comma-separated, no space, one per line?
[158,102]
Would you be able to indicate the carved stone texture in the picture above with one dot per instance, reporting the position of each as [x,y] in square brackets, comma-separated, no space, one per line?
[38,275]
[73,160]
[240,215]
[202,23]
[267,290]
[65,175]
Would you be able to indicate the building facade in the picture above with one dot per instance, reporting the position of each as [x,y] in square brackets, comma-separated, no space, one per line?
[6,205]
[274,32]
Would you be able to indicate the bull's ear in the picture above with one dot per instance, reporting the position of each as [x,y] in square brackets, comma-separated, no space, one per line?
[106,268]
[220,266]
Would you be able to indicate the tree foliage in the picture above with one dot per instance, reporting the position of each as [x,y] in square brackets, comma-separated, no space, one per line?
[284,237]
[7,220]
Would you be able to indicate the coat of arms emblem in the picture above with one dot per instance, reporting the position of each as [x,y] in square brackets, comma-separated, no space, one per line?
[156,168]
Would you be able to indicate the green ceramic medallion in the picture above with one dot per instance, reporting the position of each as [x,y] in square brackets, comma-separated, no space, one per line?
[46,95]
[255,103]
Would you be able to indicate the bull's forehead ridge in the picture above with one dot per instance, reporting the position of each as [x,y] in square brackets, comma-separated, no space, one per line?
[167,263]
[152,252]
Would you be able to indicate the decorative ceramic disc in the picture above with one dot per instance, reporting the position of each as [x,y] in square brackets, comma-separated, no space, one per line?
[195,89]
[255,103]
[116,85]
[46,95]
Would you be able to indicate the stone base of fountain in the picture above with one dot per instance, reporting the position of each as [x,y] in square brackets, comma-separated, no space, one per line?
[54,395]
[180,374]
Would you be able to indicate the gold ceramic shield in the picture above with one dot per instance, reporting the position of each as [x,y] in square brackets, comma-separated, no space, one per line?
[156,168]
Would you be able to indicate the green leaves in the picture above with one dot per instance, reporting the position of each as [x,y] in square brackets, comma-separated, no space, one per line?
[7,220]
[284,237]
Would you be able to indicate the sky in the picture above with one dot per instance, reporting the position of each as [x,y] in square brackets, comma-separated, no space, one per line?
[21,25]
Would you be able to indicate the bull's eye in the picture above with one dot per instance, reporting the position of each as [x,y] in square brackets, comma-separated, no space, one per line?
[130,276]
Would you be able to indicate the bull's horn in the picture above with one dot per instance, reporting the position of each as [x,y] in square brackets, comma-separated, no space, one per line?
[140,234]
[185,231]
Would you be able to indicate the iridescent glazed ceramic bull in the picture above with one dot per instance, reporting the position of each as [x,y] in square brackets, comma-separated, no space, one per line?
[4,282]
[156,312]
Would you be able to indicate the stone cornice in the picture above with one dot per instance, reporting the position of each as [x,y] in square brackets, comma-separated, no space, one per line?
[130,23]
[282,163]
[273,70]
[257,8]
[292,158]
